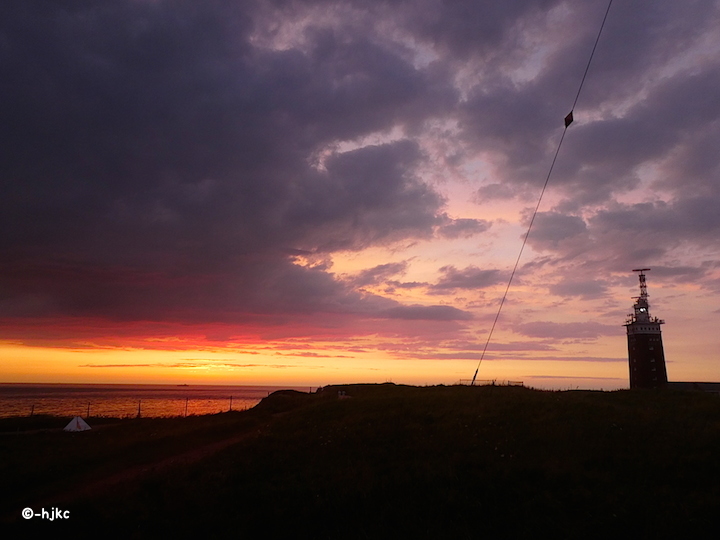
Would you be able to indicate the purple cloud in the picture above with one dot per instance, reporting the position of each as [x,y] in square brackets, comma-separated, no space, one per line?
[575,330]
[470,277]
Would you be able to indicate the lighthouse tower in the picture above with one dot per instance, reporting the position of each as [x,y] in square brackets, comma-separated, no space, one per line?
[645,348]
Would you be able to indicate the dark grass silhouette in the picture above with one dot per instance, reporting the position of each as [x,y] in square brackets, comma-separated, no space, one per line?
[400,461]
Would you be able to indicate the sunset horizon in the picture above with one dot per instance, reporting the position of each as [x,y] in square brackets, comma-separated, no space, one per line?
[313,193]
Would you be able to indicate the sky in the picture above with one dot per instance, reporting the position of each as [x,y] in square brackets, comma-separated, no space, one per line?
[315,192]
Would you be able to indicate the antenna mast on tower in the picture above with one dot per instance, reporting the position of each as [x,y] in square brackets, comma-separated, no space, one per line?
[643,285]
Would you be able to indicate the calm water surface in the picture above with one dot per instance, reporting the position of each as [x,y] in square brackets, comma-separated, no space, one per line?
[121,400]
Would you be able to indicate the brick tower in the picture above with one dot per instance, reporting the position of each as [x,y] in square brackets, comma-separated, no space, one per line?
[645,348]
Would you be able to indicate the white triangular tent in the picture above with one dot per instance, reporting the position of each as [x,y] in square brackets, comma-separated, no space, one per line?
[77,424]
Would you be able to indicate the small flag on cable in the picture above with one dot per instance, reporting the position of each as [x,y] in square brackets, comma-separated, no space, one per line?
[568,119]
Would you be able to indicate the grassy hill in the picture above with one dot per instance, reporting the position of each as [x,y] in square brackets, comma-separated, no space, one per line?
[388,461]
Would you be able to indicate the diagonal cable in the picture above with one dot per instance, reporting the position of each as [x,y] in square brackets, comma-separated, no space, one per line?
[568,121]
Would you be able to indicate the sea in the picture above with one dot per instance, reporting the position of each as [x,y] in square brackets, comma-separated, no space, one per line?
[128,400]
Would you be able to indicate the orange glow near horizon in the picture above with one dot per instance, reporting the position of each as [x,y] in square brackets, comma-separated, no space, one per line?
[300,364]
[320,349]
[47,365]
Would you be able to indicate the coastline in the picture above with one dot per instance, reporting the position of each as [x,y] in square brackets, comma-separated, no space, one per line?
[125,400]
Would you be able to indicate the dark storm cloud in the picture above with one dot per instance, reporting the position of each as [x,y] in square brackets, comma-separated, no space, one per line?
[688,218]
[242,288]
[648,118]
[188,161]
[163,127]
[367,196]
[156,164]
[466,28]
[639,40]
[620,237]
[602,157]
[652,105]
